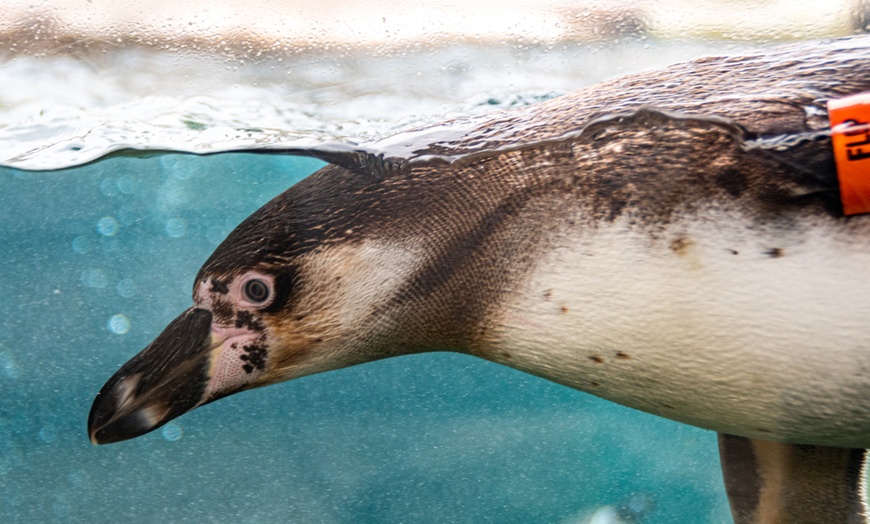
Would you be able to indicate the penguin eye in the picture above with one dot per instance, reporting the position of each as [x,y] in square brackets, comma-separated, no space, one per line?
[256,290]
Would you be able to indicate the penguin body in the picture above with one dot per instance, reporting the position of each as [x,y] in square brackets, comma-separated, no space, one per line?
[672,241]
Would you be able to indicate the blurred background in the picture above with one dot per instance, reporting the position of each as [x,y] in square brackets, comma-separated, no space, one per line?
[251,29]
[101,245]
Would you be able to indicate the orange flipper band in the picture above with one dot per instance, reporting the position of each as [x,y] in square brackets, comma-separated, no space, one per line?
[850,135]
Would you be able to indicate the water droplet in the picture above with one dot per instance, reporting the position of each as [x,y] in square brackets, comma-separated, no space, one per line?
[126,184]
[119,324]
[176,227]
[82,245]
[170,196]
[107,226]
[94,278]
[604,515]
[172,432]
[126,288]
[108,187]
[47,434]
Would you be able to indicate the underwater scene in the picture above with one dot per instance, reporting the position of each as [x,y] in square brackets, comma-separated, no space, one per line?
[107,215]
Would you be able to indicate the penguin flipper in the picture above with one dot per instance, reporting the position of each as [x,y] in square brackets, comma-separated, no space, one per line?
[771,482]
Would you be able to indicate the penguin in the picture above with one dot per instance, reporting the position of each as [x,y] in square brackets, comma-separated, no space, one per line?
[673,241]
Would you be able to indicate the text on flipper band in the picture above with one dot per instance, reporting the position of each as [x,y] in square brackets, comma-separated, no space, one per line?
[850,136]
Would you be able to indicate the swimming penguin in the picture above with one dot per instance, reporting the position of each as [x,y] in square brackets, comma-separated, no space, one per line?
[673,241]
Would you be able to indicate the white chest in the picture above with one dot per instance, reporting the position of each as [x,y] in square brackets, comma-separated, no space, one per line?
[751,331]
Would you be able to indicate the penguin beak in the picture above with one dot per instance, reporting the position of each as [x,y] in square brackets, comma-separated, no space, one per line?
[168,378]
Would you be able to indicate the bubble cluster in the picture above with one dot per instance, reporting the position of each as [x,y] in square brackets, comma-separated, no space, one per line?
[119,324]
[172,432]
[108,226]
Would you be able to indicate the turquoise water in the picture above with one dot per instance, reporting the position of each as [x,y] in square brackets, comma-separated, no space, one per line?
[98,258]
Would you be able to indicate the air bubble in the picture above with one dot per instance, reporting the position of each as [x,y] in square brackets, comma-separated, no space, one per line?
[172,432]
[95,278]
[108,187]
[47,434]
[82,245]
[126,184]
[176,227]
[78,478]
[9,366]
[605,515]
[171,196]
[107,226]
[119,324]
[126,288]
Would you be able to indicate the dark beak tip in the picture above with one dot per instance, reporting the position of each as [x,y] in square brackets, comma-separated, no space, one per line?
[114,418]
[124,427]
[165,380]
[102,411]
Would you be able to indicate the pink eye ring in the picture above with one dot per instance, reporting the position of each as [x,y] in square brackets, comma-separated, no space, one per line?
[256,291]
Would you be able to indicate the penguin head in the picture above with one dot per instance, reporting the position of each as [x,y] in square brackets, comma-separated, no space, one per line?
[298,288]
